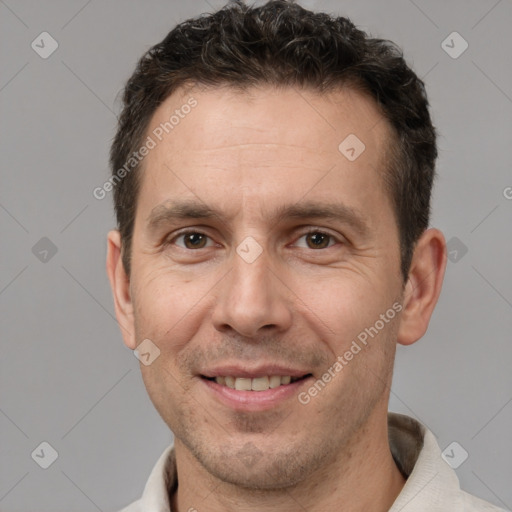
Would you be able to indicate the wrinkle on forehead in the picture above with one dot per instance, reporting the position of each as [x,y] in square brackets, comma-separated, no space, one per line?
[257,155]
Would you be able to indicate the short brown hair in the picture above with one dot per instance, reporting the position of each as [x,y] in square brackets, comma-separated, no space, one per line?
[283,44]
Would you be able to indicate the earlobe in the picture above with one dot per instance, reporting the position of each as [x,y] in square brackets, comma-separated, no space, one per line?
[120,284]
[423,286]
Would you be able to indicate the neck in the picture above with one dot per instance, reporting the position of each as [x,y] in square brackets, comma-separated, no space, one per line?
[363,477]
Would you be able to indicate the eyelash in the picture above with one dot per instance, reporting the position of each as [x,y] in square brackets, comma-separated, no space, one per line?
[184,234]
[311,231]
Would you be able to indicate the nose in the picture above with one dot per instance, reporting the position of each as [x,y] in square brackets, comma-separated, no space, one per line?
[252,299]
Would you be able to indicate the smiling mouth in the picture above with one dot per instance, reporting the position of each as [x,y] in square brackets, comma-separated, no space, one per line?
[255,384]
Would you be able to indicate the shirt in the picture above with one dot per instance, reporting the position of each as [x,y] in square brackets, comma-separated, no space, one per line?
[431,485]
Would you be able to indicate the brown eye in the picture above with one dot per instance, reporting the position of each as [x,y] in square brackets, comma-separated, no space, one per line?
[318,240]
[192,240]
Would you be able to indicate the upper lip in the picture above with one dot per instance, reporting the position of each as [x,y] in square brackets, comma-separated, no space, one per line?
[246,371]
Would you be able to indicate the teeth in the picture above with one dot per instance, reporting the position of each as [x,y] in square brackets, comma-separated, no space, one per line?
[275,381]
[242,384]
[256,384]
[260,384]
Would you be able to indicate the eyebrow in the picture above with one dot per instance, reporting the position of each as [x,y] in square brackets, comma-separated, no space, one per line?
[172,211]
[331,211]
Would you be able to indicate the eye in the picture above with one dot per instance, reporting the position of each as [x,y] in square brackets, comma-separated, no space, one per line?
[316,240]
[192,240]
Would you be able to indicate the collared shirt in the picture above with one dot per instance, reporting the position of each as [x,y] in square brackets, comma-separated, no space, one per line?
[431,485]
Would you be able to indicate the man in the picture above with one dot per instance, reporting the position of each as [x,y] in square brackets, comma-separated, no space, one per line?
[273,170]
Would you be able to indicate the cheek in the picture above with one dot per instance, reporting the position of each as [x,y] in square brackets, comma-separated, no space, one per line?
[340,307]
[167,305]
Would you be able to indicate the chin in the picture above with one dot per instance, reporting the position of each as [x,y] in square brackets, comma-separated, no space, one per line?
[258,468]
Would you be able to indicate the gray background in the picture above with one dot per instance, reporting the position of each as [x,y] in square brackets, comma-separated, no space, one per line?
[65,375]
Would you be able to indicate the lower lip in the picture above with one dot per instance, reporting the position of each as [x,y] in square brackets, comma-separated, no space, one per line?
[254,400]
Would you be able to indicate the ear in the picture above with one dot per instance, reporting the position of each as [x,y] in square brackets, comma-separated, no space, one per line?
[120,284]
[423,286]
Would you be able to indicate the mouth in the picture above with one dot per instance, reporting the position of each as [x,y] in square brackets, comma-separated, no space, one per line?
[256,384]
[254,388]
[255,391]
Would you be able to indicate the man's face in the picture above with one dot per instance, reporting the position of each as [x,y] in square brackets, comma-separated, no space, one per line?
[261,171]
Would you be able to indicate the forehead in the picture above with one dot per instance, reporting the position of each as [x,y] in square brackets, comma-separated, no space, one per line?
[263,142]
[267,114]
